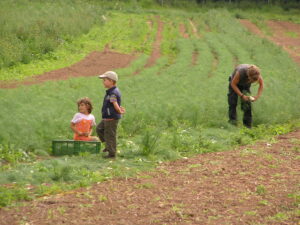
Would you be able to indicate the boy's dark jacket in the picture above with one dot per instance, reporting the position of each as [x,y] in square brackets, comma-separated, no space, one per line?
[108,109]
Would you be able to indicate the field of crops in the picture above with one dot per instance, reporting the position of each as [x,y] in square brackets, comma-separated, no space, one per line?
[175,108]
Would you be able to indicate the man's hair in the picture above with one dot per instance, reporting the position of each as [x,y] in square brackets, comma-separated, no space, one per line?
[253,73]
[87,102]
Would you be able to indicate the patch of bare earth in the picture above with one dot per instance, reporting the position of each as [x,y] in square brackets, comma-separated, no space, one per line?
[196,34]
[156,45]
[249,185]
[281,36]
[150,26]
[252,27]
[93,64]
[195,58]
[182,31]
[215,63]
[184,34]
[285,34]
[155,54]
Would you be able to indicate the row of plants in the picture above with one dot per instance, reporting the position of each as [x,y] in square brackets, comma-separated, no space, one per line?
[125,32]
[54,35]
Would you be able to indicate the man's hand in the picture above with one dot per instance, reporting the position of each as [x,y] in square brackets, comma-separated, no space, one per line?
[245,98]
[255,98]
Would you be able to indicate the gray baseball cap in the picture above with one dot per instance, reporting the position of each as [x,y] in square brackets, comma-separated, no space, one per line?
[109,74]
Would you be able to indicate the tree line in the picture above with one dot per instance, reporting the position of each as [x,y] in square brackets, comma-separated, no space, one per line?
[282,3]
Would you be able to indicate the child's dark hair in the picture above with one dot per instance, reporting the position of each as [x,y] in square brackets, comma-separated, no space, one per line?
[87,102]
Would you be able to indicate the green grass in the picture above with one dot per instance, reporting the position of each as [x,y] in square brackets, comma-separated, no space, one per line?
[31,29]
[174,109]
[118,31]
[292,34]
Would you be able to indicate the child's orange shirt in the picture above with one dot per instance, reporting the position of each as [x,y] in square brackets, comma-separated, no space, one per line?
[84,124]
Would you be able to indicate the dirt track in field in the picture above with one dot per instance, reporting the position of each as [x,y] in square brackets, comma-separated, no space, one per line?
[155,54]
[156,45]
[251,185]
[183,31]
[285,34]
[93,64]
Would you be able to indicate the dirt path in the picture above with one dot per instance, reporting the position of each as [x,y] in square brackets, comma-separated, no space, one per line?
[285,34]
[156,45]
[155,54]
[195,58]
[182,31]
[252,185]
[215,63]
[252,27]
[93,64]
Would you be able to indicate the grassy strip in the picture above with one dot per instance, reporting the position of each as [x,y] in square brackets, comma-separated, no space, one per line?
[127,33]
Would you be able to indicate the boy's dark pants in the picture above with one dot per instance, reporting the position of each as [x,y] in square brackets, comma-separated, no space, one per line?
[107,132]
[245,106]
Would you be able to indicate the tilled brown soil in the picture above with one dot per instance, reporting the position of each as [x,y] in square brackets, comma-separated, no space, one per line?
[93,64]
[155,54]
[156,45]
[183,31]
[285,34]
[251,185]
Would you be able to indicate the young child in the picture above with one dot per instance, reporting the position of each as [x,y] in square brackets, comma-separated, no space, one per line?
[83,121]
[239,83]
[111,113]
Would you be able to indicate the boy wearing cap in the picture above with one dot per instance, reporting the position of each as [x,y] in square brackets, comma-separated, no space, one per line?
[111,113]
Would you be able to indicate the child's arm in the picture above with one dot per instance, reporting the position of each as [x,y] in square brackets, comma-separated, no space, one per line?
[91,131]
[73,127]
[118,108]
